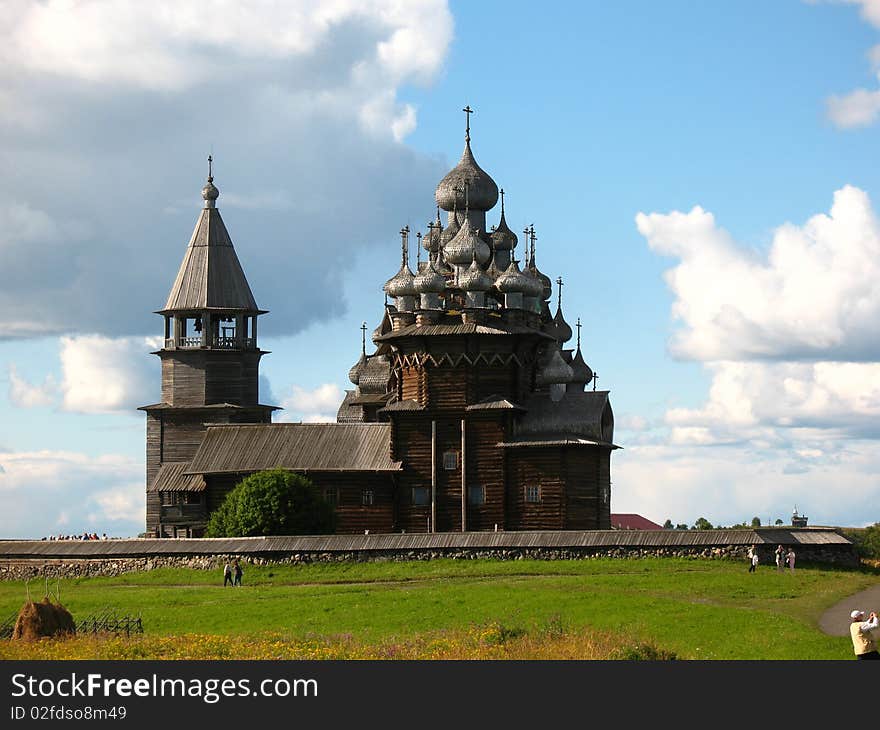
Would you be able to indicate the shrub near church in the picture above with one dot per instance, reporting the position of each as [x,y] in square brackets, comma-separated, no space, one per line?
[273,502]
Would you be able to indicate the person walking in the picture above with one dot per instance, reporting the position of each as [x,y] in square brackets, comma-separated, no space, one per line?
[780,558]
[236,567]
[790,557]
[227,574]
[753,559]
[862,634]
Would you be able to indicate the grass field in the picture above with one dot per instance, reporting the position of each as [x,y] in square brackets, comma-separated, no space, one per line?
[594,609]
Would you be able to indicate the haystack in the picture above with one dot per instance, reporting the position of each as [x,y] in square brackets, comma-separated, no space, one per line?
[36,620]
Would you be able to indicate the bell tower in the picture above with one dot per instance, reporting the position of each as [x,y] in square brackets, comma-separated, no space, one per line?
[210,371]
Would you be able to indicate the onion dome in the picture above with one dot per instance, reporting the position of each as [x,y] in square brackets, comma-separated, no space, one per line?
[512,281]
[492,269]
[401,284]
[474,278]
[466,246]
[482,192]
[533,268]
[429,280]
[562,329]
[354,374]
[431,240]
[502,237]
[581,372]
[451,230]
[555,372]
[209,192]
[536,288]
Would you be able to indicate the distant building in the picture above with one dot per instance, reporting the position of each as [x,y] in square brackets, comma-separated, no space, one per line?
[471,413]
[632,522]
[798,520]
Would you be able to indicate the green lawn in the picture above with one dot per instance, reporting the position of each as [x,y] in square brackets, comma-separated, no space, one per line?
[695,608]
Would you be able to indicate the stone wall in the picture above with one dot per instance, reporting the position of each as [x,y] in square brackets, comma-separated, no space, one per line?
[24,568]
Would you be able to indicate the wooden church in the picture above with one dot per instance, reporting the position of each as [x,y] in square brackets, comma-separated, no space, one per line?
[470,413]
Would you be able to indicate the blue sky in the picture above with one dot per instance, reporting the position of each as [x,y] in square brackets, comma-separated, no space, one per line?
[703,177]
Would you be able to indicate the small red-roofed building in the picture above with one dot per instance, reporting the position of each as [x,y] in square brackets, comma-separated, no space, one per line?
[632,522]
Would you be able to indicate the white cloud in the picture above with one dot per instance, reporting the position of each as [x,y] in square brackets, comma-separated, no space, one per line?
[728,485]
[859,108]
[813,296]
[43,491]
[312,406]
[102,374]
[748,395]
[107,111]
[172,46]
[791,337]
[24,395]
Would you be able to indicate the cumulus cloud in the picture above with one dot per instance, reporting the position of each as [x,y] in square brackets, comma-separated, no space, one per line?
[812,296]
[830,395]
[107,111]
[104,375]
[731,485]
[790,337]
[46,490]
[312,406]
[859,108]
[24,395]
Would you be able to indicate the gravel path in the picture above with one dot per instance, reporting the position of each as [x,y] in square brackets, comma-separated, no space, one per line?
[835,621]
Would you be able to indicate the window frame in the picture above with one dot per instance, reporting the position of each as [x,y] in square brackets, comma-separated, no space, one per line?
[445,460]
[368,498]
[537,493]
[426,502]
[482,493]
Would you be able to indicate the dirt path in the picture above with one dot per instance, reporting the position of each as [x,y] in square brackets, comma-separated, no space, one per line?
[835,621]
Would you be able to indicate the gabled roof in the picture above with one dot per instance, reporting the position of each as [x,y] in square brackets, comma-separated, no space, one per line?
[301,447]
[210,276]
[585,415]
[172,477]
[632,522]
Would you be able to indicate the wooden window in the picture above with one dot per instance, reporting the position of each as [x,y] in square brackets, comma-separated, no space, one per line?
[367,497]
[606,493]
[176,498]
[533,494]
[476,495]
[450,460]
[421,496]
[331,496]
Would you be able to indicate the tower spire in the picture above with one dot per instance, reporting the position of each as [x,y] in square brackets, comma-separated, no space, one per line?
[404,246]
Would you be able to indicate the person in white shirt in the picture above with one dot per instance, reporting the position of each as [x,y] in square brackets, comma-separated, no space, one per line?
[862,634]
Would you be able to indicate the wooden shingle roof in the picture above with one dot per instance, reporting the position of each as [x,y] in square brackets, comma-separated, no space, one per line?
[210,276]
[419,541]
[304,447]
[173,477]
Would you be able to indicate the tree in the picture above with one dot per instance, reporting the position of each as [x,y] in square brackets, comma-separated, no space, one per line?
[702,524]
[756,521]
[681,526]
[273,502]
[667,525]
[778,522]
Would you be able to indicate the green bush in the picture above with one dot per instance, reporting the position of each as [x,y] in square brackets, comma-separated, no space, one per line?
[273,502]
[644,651]
[867,540]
